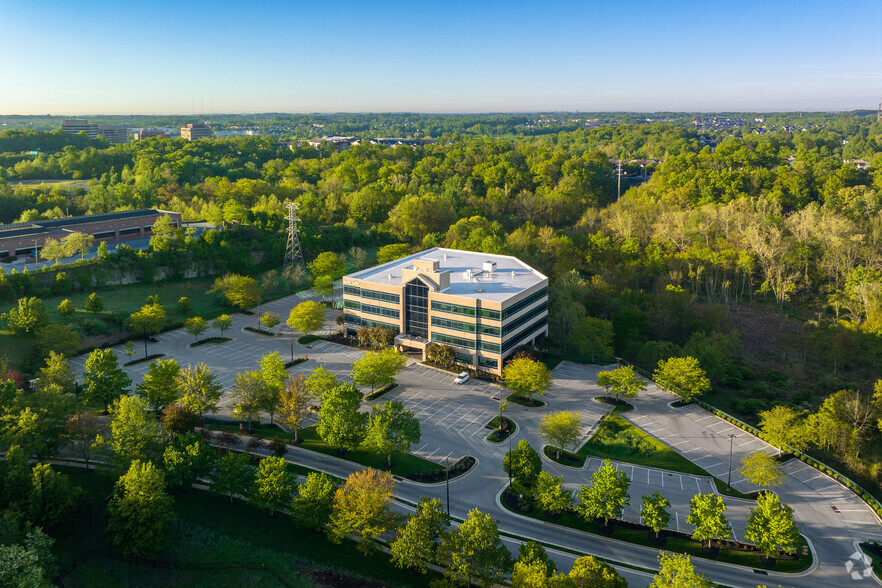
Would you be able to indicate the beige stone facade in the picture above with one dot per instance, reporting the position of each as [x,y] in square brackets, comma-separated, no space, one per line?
[483,306]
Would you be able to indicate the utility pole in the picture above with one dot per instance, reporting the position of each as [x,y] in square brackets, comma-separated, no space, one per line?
[447,476]
[619,174]
[729,481]
[509,453]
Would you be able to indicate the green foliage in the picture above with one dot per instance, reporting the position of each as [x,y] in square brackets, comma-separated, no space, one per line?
[26,558]
[222,323]
[523,463]
[654,511]
[588,571]
[475,552]
[58,338]
[160,385]
[134,433]
[27,317]
[391,428]
[533,566]
[65,308]
[784,427]
[388,253]
[196,326]
[242,292]
[761,469]
[527,377]
[417,543]
[683,376]
[551,495]
[184,305]
[622,381]
[249,393]
[187,459]
[440,354]
[94,303]
[233,475]
[52,499]
[607,496]
[103,380]
[311,506]
[770,526]
[148,321]
[340,424]
[676,571]
[561,429]
[706,515]
[362,507]
[328,264]
[320,381]
[594,338]
[307,317]
[274,486]
[140,511]
[270,320]
[377,368]
[199,388]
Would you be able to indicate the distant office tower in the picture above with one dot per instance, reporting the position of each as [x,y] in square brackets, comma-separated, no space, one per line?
[114,133]
[74,126]
[196,131]
[147,133]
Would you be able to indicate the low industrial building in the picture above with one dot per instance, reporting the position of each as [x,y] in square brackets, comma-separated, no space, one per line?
[483,306]
[24,240]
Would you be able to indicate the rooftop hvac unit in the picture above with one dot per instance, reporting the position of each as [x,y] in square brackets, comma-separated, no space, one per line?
[512,274]
[468,274]
[480,290]
[489,266]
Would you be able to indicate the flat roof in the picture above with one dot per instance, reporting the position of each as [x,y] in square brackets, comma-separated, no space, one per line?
[512,276]
[46,226]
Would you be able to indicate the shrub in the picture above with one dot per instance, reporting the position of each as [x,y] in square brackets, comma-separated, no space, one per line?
[184,306]
[94,303]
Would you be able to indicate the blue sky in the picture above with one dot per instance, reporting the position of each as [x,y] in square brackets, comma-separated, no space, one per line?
[158,56]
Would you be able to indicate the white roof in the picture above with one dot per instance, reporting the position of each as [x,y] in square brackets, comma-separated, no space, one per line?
[511,277]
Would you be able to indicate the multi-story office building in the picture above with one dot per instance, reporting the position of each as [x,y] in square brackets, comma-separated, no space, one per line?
[147,133]
[195,131]
[114,134]
[74,126]
[482,305]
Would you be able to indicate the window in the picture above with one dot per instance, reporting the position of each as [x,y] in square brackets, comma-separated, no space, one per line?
[489,314]
[351,319]
[467,343]
[487,346]
[133,231]
[529,315]
[524,334]
[371,309]
[487,362]
[103,234]
[518,306]
[416,309]
[372,294]
[454,325]
[453,308]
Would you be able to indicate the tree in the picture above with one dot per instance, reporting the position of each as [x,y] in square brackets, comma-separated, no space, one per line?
[187,459]
[233,475]
[38,422]
[551,495]
[594,338]
[94,303]
[706,515]
[306,317]
[527,377]
[148,321]
[185,307]
[53,250]
[391,428]
[440,354]
[78,243]
[103,379]
[328,264]
[588,572]
[654,512]
[533,568]
[270,320]
[135,434]
[272,371]
[340,423]
[274,485]
[607,496]
[417,543]
[140,511]
[676,571]
[178,420]
[82,429]
[160,386]
[56,376]
[320,381]
[475,550]
[200,391]
[523,463]
[249,392]
[361,507]
[682,376]
[312,504]
[242,292]
[26,559]
[196,325]
[377,368]
[294,404]
[27,317]
[784,427]
[388,253]
[770,526]
[761,469]
[65,308]
[52,499]
[622,381]
[222,323]
[15,483]
[324,286]
[58,338]
[163,230]
[561,429]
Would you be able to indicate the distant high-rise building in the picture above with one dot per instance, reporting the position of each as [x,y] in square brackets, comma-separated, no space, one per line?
[114,134]
[147,133]
[195,131]
[74,126]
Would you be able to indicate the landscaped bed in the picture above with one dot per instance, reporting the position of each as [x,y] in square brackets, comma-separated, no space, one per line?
[259,331]
[502,433]
[144,359]
[207,340]
[381,391]
[523,401]
[724,551]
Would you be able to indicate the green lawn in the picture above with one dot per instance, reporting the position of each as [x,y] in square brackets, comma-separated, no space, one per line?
[403,463]
[617,439]
[678,544]
[211,531]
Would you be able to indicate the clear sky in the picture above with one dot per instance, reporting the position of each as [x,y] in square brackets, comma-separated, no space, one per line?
[160,56]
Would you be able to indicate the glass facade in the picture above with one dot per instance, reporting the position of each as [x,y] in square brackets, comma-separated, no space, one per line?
[416,309]
[522,304]
[371,309]
[371,294]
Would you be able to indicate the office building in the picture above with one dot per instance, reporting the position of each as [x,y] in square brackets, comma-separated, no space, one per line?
[195,131]
[114,134]
[483,306]
[74,126]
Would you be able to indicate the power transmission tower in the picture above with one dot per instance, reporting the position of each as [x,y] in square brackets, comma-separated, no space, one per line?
[293,253]
[879,112]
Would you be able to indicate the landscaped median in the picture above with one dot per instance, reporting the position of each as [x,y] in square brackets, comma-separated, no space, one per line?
[519,500]
[404,465]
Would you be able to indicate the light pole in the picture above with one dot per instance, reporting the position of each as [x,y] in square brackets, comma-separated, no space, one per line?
[447,476]
[729,481]
[509,454]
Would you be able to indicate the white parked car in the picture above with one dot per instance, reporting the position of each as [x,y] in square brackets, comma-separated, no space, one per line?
[462,378]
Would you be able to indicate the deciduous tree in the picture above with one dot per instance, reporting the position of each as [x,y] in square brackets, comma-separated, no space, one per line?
[52,499]
[148,321]
[103,379]
[134,433]
[588,572]
[196,325]
[249,392]
[523,463]
[784,427]
[475,551]
[222,323]
[274,485]
[361,507]
[200,391]
[561,429]
[186,459]
[319,381]
[607,496]
[140,511]
[307,317]
[706,515]
[654,512]
[682,376]
[294,404]
[770,526]
[340,424]
[551,495]
[312,504]
[417,543]
[623,382]
[527,377]
[377,368]
[761,469]
[677,571]
[270,320]
[27,317]
[390,428]
[160,385]
[233,475]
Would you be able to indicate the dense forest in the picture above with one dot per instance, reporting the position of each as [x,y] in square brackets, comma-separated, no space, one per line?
[757,250]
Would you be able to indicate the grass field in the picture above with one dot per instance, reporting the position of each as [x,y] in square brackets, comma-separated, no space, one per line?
[403,463]
[674,543]
[211,531]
